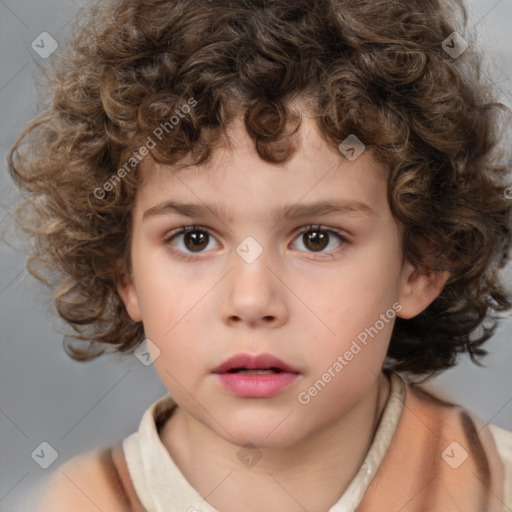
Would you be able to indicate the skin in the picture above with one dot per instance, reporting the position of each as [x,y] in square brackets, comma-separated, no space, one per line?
[301,304]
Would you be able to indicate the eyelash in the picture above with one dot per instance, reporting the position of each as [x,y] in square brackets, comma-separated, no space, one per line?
[312,227]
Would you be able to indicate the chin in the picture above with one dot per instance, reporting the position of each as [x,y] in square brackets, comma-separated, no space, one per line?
[262,441]
[261,433]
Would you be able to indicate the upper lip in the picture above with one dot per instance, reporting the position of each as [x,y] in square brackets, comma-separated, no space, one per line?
[257,362]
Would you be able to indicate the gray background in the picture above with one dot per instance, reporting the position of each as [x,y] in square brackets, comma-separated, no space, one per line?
[46,396]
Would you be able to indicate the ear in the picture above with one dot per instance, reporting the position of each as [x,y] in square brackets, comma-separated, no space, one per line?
[127,291]
[419,287]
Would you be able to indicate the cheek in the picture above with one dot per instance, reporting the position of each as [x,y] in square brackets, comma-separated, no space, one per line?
[343,368]
[167,292]
[354,298]
[181,363]
[355,318]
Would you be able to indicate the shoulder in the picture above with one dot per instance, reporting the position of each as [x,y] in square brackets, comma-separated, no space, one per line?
[503,440]
[489,444]
[87,482]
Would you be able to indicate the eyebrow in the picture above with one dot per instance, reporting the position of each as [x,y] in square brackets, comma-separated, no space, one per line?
[318,208]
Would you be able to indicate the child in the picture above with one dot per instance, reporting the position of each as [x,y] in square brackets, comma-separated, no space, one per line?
[299,206]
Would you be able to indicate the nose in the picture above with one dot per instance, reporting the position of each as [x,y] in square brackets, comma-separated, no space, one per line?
[254,295]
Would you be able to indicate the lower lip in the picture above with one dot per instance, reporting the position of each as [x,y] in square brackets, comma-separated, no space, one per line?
[256,386]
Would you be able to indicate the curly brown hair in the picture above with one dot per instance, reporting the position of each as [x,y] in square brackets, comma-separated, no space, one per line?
[373,68]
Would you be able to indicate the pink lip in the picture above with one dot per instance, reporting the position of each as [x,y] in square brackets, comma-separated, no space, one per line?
[256,386]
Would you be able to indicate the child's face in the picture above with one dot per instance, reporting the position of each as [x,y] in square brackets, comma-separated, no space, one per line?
[304,299]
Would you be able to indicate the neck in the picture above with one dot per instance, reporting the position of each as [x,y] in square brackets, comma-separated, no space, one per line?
[311,474]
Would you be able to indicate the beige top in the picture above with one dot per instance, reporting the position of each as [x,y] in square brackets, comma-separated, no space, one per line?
[160,484]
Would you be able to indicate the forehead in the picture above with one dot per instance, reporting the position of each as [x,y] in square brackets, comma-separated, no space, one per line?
[237,178]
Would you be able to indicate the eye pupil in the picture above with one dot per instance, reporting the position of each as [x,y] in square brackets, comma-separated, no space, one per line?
[198,239]
[318,239]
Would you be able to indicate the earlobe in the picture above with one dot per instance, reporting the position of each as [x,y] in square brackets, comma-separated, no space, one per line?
[419,288]
[127,291]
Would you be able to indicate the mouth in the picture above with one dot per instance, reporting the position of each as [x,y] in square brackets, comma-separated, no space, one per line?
[260,364]
[260,371]
[261,376]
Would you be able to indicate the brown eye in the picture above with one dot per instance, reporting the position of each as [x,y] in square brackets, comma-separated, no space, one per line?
[316,239]
[190,239]
[196,240]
